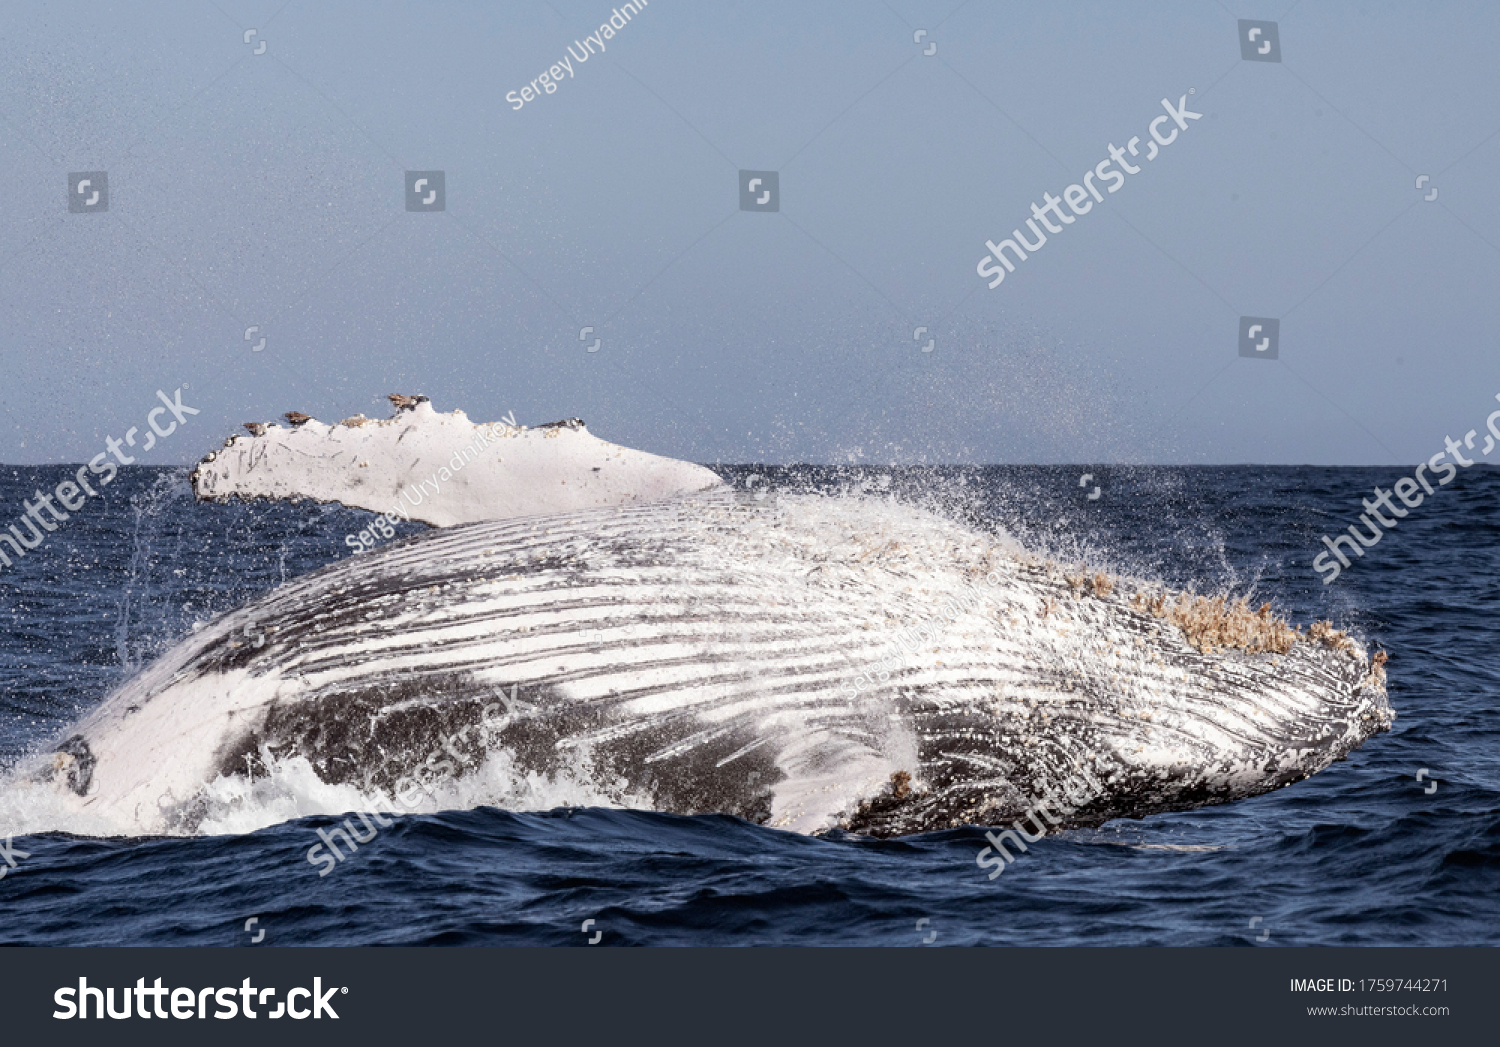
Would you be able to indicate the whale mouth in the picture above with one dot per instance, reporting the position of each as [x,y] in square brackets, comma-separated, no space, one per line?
[800,661]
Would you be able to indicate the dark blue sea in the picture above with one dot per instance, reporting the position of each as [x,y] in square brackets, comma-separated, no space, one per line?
[1399,844]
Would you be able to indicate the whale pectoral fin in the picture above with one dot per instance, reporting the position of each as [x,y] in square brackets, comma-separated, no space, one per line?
[557,468]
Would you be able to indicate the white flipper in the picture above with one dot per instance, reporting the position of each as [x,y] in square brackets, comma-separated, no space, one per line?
[405,466]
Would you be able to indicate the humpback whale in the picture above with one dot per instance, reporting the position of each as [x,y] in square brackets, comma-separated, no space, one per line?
[590,612]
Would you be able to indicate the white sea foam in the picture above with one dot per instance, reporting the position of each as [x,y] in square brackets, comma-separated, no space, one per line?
[289,788]
[284,790]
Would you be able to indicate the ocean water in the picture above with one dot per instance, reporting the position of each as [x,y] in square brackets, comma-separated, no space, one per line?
[1366,852]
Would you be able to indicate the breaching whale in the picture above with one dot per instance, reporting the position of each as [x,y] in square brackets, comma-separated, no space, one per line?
[800,661]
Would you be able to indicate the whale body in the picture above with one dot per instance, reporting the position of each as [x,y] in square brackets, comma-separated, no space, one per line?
[804,663]
[597,615]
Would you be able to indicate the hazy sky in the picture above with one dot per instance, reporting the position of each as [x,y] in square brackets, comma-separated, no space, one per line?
[269,190]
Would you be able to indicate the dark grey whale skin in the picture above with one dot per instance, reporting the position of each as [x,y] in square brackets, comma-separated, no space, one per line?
[704,655]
